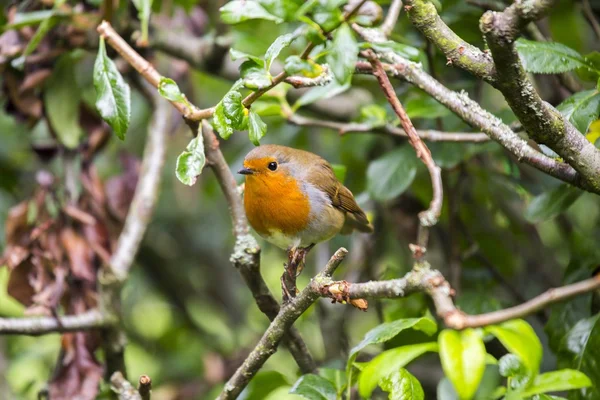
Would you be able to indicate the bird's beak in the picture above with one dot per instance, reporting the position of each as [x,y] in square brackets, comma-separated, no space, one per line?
[245,171]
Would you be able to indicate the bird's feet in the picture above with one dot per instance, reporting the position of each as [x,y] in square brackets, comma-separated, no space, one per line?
[293,268]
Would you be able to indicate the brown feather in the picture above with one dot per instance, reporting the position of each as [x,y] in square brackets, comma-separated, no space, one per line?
[323,177]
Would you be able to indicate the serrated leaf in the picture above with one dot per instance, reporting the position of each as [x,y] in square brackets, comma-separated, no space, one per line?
[191,162]
[168,89]
[256,128]
[294,65]
[402,385]
[321,93]
[273,51]
[581,109]
[463,359]
[343,54]
[390,175]
[254,75]
[552,203]
[221,123]
[113,97]
[239,55]
[520,339]
[234,109]
[548,57]
[61,100]
[238,11]
[591,72]
[388,362]
[314,387]
[557,381]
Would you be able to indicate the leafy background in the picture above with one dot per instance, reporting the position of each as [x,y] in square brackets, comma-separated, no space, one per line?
[512,231]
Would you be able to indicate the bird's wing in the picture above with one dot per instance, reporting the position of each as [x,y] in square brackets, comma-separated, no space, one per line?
[323,177]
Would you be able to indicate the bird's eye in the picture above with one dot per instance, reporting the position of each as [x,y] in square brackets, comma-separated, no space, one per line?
[272,166]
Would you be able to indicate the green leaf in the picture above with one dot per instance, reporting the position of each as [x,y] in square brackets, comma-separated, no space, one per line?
[511,366]
[425,106]
[388,362]
[580,350]
[463,359]
[32,18]
[238,55]
[520,339]
[256,128]
[275,48]
[221,123]
[314,387]
[337,377]
[191,162]
[343,54]
[144,8]
[266,108]
[254,75]
[294,65]
[238,11]
[581,109]
[373,115]
[170,91]
[592,70]
[556,381]
[61,100]
[113,97]
[233,109]
[402,385]
[403,50]
[390,175]
[263,384]
[321,93]
[284,9]
[552,203]
[548,57]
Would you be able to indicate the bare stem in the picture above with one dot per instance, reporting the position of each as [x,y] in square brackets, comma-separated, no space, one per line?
[430,216]
[92,319]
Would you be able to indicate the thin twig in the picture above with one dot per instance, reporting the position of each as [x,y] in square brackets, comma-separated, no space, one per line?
[145,387]
[352,127]
[591,17]
[267,345]
[430,216]
[424,279]
[123,388]
[92,319]
[392,17]
[146,69]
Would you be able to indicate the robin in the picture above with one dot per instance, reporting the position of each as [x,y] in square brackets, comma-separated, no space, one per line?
[293,200]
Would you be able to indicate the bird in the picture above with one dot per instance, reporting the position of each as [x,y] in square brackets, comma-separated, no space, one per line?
[293,199]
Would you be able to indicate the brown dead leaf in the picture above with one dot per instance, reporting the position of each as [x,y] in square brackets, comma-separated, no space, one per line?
[18,284]
[120,189]
[34,79]
[16,222]
[79,253]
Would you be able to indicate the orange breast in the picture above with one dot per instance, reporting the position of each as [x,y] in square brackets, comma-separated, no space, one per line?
[275,202]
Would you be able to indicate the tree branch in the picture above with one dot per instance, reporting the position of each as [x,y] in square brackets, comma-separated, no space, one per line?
[425,18]
[122,387]
[353,127]
[246,252]
[267,345]
[505,72]
[542,121]
[424,279]
[472,113]
[92,319]
[391,17]
[430,216]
